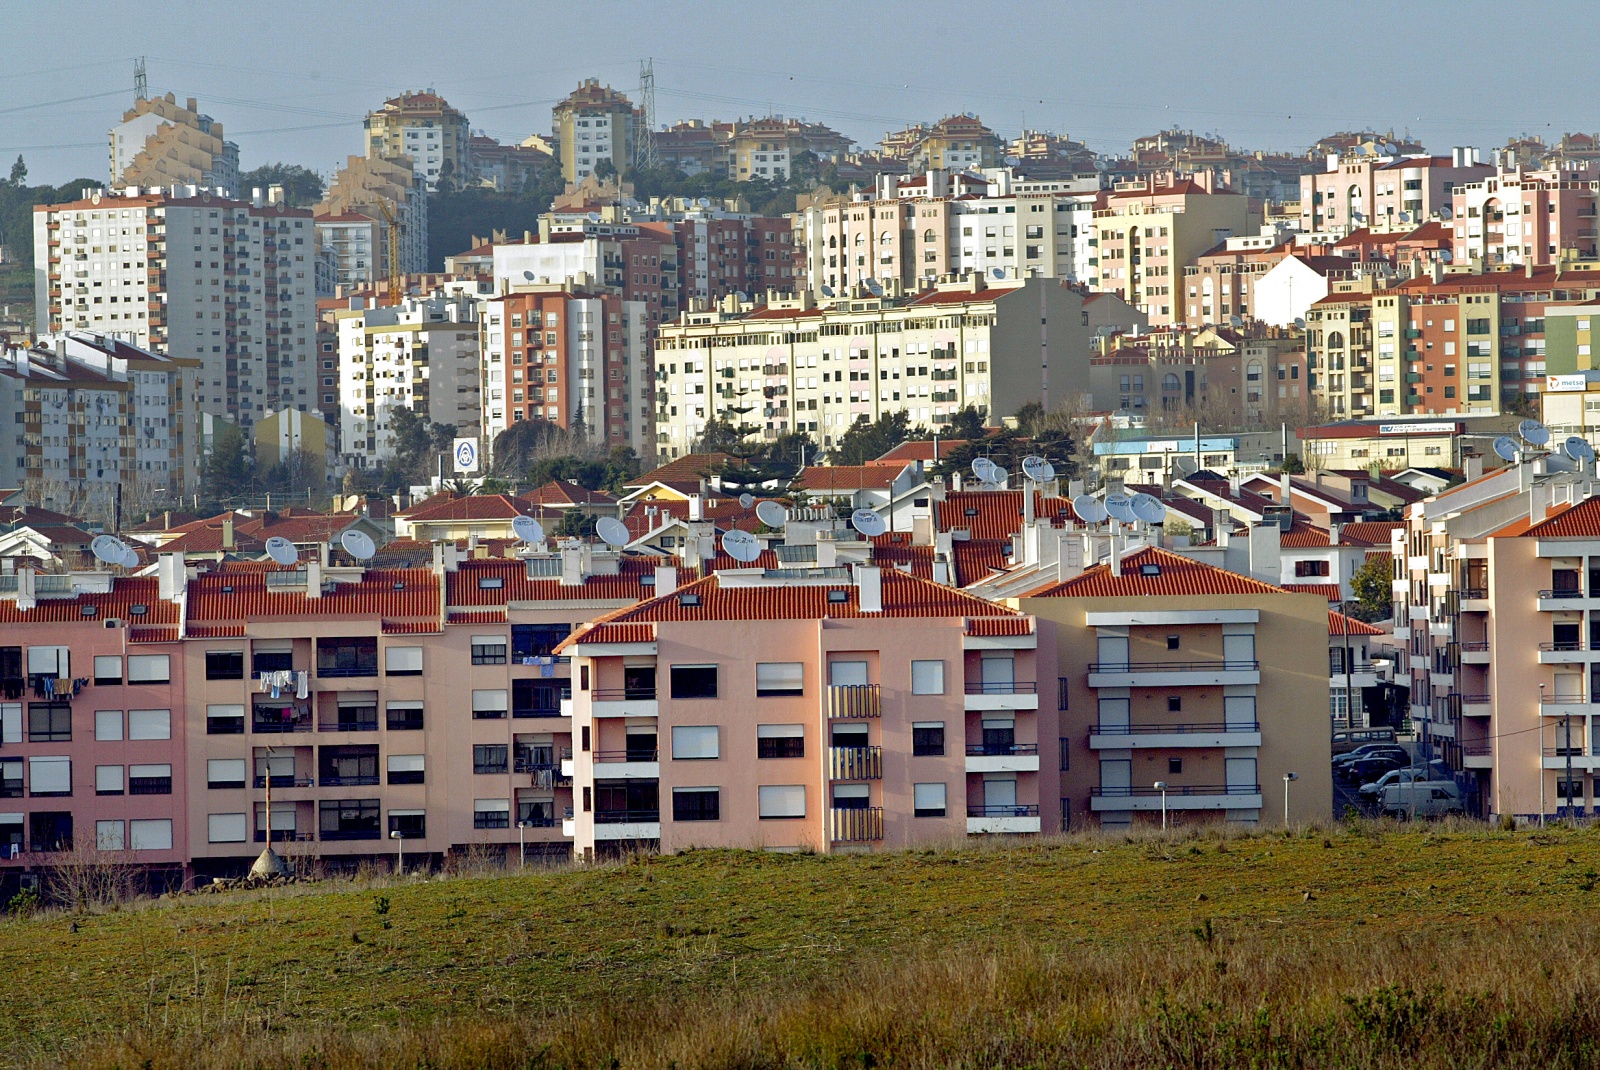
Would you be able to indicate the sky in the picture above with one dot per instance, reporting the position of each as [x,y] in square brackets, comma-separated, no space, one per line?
[291,80]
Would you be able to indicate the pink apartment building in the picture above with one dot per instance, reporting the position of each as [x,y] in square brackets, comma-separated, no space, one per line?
[1527,217]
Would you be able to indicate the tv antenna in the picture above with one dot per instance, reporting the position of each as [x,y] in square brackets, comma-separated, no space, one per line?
[1038,469]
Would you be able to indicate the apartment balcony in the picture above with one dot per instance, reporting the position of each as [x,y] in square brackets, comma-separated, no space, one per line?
[855,763]
[1361,674]
[1565,706]
[1215,673]
[626,824]
[1417,612]
[1002,820]
[1566,598]
[1474,599]
[1567,653]
[1583,759]
[1150,736]
[624,702]
[623,765]
[847,702]
[1475,653]
[1476,705]
[1178,797]
[863,825]
[1477,755]
[1003,758]
[1006,695]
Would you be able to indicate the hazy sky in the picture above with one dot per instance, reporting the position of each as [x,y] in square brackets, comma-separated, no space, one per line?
[291,80]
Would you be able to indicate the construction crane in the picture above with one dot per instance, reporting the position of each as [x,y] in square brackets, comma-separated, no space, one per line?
[393,230]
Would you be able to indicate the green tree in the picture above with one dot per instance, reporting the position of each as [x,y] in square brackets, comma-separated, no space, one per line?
[720,436]
[867,440]
[417,445]
[968,423]
[19,172]
[605,169]
[302,187]
[1370,583]
[227,470]
[1292,466]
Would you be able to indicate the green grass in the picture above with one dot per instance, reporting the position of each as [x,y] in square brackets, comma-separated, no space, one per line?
[1087,951]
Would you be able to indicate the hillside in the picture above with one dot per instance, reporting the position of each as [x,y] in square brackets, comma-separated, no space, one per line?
[1361,946]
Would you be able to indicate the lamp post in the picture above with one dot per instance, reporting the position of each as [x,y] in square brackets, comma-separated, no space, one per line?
[1541,755]
[522,848]
[1287,778]
[1161,786]
[400,841]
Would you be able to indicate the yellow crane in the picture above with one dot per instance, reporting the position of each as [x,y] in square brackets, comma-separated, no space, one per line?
[393,230]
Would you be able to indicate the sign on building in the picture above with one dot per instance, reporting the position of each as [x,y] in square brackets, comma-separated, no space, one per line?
[466,454]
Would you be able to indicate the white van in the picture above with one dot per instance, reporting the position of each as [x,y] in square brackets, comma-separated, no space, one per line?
[1422,798]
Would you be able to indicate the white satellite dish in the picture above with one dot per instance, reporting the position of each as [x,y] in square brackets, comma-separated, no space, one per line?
[527,529]
[998,273]
[741,545]
[612,531]
[1506,447]
[746,500]
[827,291]
[107,548]
[282,550]
[358,544]
[1148,507]
[130,557]
[1578,449]
[868,523]
[1038,469]
[772,514]
[1089,509]
[1120,507]
[1533,432]
[998,476]
[742,297]
[593,217]
[983,468]
[874,287]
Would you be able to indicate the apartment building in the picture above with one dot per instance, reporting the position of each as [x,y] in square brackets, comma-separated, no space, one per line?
[1517,216]
[722,253]
[422,356]
[1231,377]
[956,143]
[594,123]
[188,273]
[427,132]
[782,366]
[504,167]
[766,148]
[905,713]
[635,261]
[1385,193]
[160,142]
[351,220]
[570,357]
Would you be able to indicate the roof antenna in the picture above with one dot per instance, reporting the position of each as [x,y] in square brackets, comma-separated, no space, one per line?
[141,84]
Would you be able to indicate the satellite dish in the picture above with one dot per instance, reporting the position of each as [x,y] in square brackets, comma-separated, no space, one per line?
[528,275]
[998,273]
[746,500]
[704,202]
[282,550]
[1120,507]
[1038,469]
[868,523]
[527,529]
[742,297]
[107,548]
[1533,432]
[612,531]
[741,545]
[358,544]
[1089,509]
[1578,449]
[130,557]
[1148,507]
[772,514]
[874,287]
[827,291]
[998,476]
[1506,447]
[983,468]
[593,217]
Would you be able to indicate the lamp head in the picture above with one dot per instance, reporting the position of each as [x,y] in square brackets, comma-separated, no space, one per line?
[1291,776]
[1161,785]
[394,834]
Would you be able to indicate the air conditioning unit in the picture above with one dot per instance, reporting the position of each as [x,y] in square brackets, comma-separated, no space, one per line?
[113,622]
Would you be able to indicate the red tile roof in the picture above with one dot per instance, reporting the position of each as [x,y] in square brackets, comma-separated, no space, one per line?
[448,506]
[846,478]
[894,549]
[1000,626]
[1339,624]
[1330,591]
[978,559]
[375,595]
[1179,576]
[126,592]
[619,633]
[1582,521]
[997,514]
[462,587]
[568,492]
[686,469]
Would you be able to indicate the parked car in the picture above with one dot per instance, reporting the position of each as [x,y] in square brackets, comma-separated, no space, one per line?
[1422,798]
[1367,750]
[1371,791]
[1370,769]
[1355,738]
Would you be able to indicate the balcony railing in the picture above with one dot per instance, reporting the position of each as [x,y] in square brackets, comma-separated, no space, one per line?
[980,750]
[351,834]
[349,781]
[1176,729]
[1475,648]
[1006,687]
[1560,644]
[855,826]
[651,755]
[275,727]
[626,817]
[348,726]
[625,694]
[1471,700]
[286,782]
[337,674]
[1173,666]
[1014,810]
[855,763]
[1474,592]
[854,701]
[1177,789]
[1564,592]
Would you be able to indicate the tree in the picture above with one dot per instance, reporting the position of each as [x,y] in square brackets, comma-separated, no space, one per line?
[1371,585]
[19,172]
[868,440]
[418,444]
[1292,465]
[227,471]
[604,169]
[302,187]
[968,423]
[720,436]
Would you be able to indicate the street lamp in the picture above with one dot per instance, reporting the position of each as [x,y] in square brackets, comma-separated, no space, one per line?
[522,849]
[400,841]
[1161,786]
[1541,755]
[1287,778]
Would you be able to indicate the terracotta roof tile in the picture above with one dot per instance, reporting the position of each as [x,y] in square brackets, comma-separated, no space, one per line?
[1339,624]
[1580,521]
[463,588]
[1177,575]
[977,559]
[126,592]
[825,479]
[1330,591]
[446,507]
[1000,626]
[392,594]
[617,633]
[688,468]
[997,514]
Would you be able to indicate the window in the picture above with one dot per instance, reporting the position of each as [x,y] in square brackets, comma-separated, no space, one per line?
[223,664]
[1311,568]
[694,742]
[927,739]
[1174,704]
[149,668]
[151,834]
[489,758]
[1173,641]
[225,720]
[696,804]
[488,650]
[226,828]
[405,716]
[271,655]
[108,780]
[49,661]
[694,681]
[149,780]
[489,705]
[928,800]
[537,640]
[406,768]
[537,698]
[49,722]
[1174,765]
[149,724]
[107,670]
[10,781]
[108,725]
[927,677]
[847,673]
[49,776]
[782,800]
[225,773]
[491,813]
[346,657]
[50,830]
[780,741]
[108,836]
[346,819]
[404,661]
[410,824]
[780,678]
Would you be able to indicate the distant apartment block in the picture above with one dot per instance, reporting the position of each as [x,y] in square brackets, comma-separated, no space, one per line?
[1384,193]
[163,143]
[594,123]
[351,220]
[426,130]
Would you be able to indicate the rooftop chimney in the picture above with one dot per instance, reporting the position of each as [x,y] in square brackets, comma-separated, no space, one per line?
[1266,555]
[1472,467]
[313,579]
[869,584]
[666,579]
[571,566]
[171,577]
[227,533]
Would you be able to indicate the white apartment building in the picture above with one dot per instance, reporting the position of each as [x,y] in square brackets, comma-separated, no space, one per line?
[421,355]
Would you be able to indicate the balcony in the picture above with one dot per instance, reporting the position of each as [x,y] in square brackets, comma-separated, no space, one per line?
[633,764]
[1179,797]
[1581,759]
[1149,736]
[1564,706]
[1477,755]
[853,702]
[1475,705]
[1562,598]
[1475,653]
[855,826]
[624,702]
[1566,652]
[1173,673]
[1002,757]
[1016,819]
[285,782]
[855,763]
[627,824]
[1002,695]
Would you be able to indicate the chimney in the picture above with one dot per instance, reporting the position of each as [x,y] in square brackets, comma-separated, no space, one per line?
[827,553]
[1538,502]
[1069,564]
[227,533]
[313,579]
[1266,556]
[696,509]
[666,579]
[1116,555]
[171,577]
[1221,527]
[922,529]
[571,566]
[1333,533]
[1472,466]
[1283,488]
[869,584]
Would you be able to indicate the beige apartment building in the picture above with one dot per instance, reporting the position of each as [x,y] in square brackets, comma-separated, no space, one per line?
[351,220]
[425,130]
[163,143]
[1384,193]
[592,124]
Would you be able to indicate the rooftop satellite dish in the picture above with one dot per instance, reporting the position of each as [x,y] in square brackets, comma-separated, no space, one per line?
[998,476]
[704,202]
[1533,432]
[130,557]
[998,273]
[741,545]
[593,217]
[1236,321]
[1120,507]
[612,531]
[358,544]
[742,297]
[827,291]
[983,468]
[1089,509]
[868,523]
[1578,449]
[874,287]
[282,550]
[107,548]
[528,275]
[527,529]
[1038,469]
[1148,507]
[1506,447]
[772,514]
[746,500]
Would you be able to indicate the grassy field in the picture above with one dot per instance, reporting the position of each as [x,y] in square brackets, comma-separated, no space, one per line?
[1361,946]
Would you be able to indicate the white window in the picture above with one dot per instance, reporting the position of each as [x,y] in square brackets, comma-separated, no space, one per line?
[49,661]
[108,780]
[928,799]
[783,800]
[489,703]
[223,714]
[11,722]
[154,834]
[50,776]
[402,660]
[226,828]
[409,768]
[108,724]
[149,668]
[149,724]
[927,677]
[108,836]
[841,673]
[225,772]
[694,741]
[107,669]
[488,650]
[780,678]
